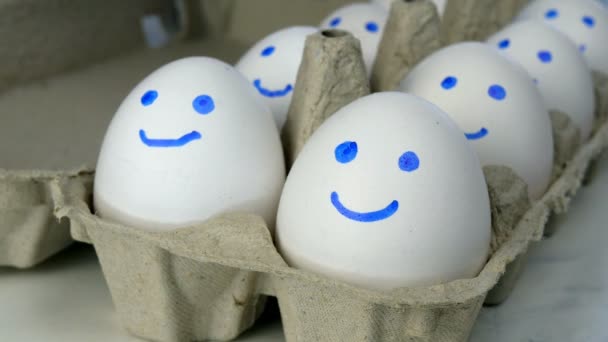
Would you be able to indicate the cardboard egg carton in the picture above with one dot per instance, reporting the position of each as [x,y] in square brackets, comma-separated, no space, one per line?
[209,281]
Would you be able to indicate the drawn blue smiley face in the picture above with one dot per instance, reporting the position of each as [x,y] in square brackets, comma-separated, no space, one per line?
[370,26]
[202,105]
[587,20]
[544,56]
[495,91]
[346,153]
[257,83]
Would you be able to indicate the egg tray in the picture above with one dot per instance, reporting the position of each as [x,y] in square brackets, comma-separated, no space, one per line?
[210,281]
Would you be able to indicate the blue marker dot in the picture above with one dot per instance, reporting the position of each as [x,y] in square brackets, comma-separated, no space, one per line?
[589,21]
[551,14]
[372,27]
[449,82]
[409,162]
[503,44]
[346,152]
[269,50]
[203,104]
[545,56]
[582,48]
[149,97]
[335,22]
[497,92]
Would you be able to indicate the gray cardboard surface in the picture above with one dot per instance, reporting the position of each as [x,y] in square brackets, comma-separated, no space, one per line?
[411,33]
[42,38]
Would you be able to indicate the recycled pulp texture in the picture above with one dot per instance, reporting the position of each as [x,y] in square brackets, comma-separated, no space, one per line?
[483,17]
[411,33]
[209,281]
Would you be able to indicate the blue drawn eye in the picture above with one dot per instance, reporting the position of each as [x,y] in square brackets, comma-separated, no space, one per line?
[269,50]
[149,97]
[335,22]
[497,92]
[503,44]
[551,14]
[409,162]
[449,82]
[545,56]
[589,21]
[346,152]
[203,104]
[372,27]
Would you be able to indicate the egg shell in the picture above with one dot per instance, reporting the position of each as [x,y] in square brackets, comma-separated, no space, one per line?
[496,104]
[585,22]
[190,141]
[366,22]
[386,4]
[271,66]
[409,207]
[557,67]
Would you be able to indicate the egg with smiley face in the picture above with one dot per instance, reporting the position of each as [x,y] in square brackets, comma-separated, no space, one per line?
[272,65]
[585,22]
[386,4]
[497,105]
[557,67]
[190,141]
[386,193]
[366,22]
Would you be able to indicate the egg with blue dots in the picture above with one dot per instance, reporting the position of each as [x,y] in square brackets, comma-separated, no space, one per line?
[387,193]
[557,67]
[495,103]
[191,141]
[585,22]
[272,65]
[366,22]
[439,4]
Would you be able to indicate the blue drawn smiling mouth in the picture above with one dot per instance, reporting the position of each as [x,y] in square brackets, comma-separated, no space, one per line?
[271,93]
[477,135]
[371,216]
[185,139]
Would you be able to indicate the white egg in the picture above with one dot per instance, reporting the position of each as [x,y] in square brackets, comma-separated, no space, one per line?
[386,4]
[557,67]
[584,21]
[272,64]
[386,193]
[190,141]
[496,104]
[366,22]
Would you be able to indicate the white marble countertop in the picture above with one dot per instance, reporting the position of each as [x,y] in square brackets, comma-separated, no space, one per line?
[561,297]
